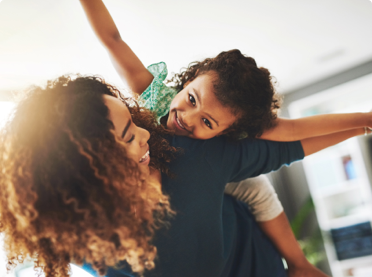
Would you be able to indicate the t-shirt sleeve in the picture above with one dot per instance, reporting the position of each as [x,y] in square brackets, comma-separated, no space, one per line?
[158,97]
[250,157]
[259,195]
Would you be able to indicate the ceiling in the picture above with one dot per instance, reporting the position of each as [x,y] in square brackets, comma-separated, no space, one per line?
[299,41]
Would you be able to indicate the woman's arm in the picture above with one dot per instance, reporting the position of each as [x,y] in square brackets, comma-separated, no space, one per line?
[259,194]
[127,64]
[315,144]
[265,206]
[318,125]
[280,233]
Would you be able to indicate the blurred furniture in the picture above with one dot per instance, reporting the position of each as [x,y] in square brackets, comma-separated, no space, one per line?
[339,183]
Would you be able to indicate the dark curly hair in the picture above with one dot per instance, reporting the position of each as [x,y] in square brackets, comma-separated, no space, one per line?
[69,193]
[240,85]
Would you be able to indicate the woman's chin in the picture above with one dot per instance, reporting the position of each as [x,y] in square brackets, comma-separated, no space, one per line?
[145,170]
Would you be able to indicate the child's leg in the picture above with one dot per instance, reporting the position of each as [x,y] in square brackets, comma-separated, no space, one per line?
[259,195]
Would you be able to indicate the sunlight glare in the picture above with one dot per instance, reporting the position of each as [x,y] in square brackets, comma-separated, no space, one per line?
[5,109]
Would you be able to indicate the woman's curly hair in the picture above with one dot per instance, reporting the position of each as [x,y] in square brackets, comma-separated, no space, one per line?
[240,85]
[69,193]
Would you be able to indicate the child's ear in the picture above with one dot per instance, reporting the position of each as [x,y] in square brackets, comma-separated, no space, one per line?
[228,130]
[222,133]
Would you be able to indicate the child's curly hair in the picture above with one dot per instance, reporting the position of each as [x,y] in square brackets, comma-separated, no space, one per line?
[69,193]
[240,85]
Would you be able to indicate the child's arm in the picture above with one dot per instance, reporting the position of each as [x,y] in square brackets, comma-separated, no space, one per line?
[315,144]
[280,233]
[127,64]
[318,125]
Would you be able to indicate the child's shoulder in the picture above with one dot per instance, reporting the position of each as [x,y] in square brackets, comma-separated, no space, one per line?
[158,96]
[158,70]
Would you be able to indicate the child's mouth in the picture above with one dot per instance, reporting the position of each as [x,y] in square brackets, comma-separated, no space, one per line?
[179,123]
[178,126]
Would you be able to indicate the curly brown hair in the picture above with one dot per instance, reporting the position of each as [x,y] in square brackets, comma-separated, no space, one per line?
[69,193]
[246,89]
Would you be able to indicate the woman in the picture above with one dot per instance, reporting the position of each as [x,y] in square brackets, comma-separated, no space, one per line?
[77,188]
[71,190]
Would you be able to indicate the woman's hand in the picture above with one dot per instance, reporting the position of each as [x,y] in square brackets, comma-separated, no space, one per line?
[280,233]
[304,270]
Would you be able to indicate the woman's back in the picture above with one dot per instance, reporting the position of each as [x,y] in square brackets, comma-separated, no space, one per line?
[213,234]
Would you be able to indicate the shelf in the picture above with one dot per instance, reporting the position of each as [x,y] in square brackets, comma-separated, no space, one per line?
[346,186]
[338,207]
[355,262]
[337,176]
[350,219]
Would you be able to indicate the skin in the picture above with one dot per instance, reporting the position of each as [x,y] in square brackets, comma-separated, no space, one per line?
[195,112]
[133,136]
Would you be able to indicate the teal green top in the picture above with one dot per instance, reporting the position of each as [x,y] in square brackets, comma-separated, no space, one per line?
[158,97]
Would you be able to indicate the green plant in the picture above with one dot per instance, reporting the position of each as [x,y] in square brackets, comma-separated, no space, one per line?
[310,245]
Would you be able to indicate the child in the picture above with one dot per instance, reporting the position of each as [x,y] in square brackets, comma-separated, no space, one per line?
[226,95]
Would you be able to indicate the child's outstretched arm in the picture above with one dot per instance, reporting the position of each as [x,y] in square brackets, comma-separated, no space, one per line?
[318,125]
[315,144]
[127,64]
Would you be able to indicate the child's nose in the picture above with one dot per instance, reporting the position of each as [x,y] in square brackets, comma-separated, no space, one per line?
[189,119]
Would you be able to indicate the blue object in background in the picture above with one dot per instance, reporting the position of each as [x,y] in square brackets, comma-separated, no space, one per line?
[353,241]
[350,170]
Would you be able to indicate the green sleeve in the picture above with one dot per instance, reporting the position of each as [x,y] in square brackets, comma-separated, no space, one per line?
[158,97]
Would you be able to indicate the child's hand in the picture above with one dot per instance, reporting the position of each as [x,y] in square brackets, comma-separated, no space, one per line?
[306,270]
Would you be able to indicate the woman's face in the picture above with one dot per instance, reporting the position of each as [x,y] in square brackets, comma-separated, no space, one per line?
[133,136]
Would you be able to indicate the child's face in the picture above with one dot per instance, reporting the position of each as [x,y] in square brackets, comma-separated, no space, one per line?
[196,113]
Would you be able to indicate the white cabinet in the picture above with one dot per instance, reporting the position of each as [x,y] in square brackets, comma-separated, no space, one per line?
[339,183]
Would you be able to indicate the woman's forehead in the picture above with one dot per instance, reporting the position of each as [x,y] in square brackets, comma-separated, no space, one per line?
[118,111]
[114,104]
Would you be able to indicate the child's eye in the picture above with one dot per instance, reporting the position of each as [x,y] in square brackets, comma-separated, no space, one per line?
[131,139]
[206,121]
[192,99]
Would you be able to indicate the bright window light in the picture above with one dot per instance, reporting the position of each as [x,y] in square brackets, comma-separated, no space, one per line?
[76,272]
[5,108]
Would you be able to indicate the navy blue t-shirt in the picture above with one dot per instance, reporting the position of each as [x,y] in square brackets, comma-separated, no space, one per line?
[213,234]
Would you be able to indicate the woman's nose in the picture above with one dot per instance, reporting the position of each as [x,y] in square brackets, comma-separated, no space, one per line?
[145,136]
